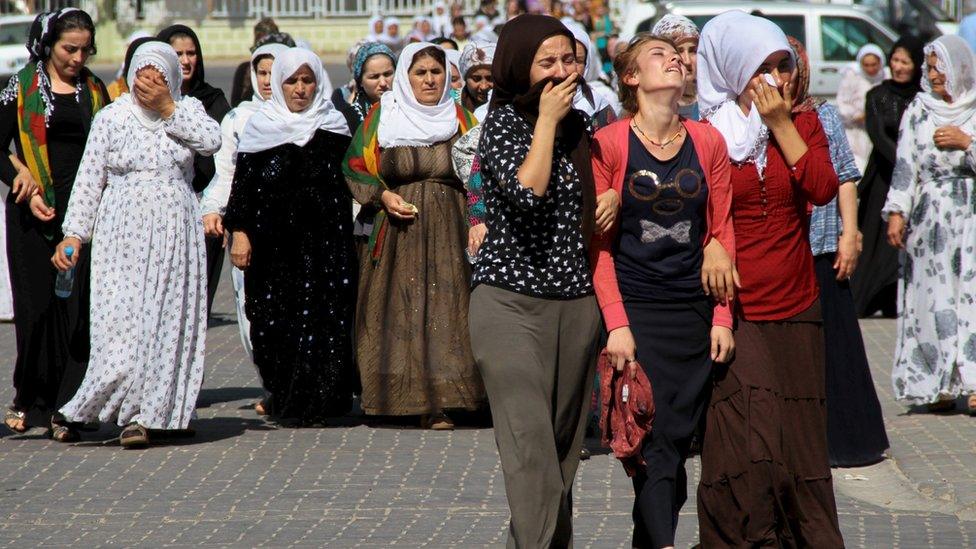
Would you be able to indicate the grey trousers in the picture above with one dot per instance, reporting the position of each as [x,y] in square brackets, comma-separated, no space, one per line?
[537,358]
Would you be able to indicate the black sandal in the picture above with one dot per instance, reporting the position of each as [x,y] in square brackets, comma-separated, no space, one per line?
[12,417]
[134,436]
[63,433]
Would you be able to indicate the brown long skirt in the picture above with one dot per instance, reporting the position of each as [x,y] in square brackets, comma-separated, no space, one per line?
[765,469]
[413,348]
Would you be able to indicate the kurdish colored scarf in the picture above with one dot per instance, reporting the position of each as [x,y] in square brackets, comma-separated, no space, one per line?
[32,109]
[362,165]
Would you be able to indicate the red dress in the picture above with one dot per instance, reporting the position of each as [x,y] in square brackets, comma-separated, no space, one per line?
[771,225]
[766,477]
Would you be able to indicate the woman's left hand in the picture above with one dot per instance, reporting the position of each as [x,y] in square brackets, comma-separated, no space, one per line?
[775,109]
[848,250]
[951,138]
[153,93]
[607,206]
[723,344]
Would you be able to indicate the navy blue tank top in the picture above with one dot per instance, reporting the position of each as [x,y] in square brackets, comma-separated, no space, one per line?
[663,219]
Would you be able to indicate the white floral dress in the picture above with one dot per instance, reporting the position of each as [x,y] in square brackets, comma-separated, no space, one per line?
[935,190]
[133,200]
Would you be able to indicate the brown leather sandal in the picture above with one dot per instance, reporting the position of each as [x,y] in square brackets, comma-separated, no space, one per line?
[134,436]
[64,433]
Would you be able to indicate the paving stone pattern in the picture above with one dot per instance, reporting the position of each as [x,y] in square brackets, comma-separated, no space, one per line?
[242,482]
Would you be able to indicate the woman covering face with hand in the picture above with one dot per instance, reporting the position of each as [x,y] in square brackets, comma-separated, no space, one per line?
[533,316]
[673,176]
[414,359]
[133,196]
[291,223]
[773,390]
[932,222]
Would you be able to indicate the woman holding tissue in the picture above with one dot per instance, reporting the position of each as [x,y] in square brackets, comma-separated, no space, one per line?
[766,477]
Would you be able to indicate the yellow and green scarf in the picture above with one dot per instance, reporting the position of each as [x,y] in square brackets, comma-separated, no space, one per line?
[32,121]
[362,165]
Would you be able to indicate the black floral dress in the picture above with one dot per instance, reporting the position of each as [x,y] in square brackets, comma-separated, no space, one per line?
[294,206]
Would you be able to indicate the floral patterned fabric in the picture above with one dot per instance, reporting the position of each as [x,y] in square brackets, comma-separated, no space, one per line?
[935,355]
[132,197]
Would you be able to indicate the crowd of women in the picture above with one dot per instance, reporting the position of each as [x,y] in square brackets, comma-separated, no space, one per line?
[694,213]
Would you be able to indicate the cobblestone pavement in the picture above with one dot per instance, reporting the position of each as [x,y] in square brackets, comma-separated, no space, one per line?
[244,483]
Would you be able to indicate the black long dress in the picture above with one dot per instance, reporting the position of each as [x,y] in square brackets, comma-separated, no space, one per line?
[52,333]
[216,105]
[296,209]
[875,281]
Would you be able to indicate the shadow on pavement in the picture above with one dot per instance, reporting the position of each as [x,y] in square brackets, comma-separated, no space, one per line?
[209,397]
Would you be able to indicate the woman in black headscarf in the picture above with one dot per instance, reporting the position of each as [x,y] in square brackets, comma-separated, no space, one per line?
[875,281]
[187,47]
[533,316]
[47,110]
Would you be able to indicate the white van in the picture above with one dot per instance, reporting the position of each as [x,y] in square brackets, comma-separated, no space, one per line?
[13,40]
[831,33]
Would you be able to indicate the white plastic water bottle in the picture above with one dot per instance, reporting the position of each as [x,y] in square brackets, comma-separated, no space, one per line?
[65,281]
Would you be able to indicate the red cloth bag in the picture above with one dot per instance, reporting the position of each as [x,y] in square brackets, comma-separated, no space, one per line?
[626,412]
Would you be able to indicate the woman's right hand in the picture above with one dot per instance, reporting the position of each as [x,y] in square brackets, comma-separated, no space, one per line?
[623,350]
[240,250]
[60,259]
[476,235]
[718,273]
[396,206]
[24,186]
[896,230]
[556,101]
[213,225]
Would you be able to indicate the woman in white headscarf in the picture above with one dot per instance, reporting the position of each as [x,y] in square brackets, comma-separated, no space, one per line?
[441,19]
[930,216]
[777,492]
[290,220]
[456,81]
[592,96]
[865,73]
[391,34]
[685,34]
[377,28]
[413,350]
[214,201]
[133,195]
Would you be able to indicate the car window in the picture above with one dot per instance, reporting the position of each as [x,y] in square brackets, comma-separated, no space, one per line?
[14,33]
[841,37]
[792,25]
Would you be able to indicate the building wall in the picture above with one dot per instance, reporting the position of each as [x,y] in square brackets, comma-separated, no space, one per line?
[222,39]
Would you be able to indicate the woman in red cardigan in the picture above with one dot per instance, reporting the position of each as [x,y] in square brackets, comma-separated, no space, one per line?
[672,176]
[765,473]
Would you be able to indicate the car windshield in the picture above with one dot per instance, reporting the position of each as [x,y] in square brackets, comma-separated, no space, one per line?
[14,33]
[792,25]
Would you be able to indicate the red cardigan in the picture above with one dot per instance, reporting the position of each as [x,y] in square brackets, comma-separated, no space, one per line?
[609,167]
[772,227]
